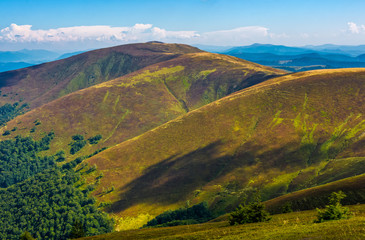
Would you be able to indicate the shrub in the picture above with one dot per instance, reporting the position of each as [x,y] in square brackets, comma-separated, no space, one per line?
[196,214]
[7,132]
[26,236]
[249,213]
[77,137]
[73,163]
[333,211]
[287,208]
[95,139]
[77,144]
[60,156]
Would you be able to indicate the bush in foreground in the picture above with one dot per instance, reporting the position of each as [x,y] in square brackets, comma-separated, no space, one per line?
[333,211]
[249,213]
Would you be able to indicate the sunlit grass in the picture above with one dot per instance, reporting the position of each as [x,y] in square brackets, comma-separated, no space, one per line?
[296,225]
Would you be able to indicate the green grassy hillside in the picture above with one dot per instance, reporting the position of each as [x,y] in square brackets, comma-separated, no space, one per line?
[278,136]
[297,225]
[128,106]
[43,83]
[311,198]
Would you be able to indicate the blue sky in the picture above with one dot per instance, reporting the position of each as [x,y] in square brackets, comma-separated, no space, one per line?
[79,24]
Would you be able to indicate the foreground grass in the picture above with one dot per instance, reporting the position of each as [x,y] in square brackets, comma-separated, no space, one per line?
[297,225]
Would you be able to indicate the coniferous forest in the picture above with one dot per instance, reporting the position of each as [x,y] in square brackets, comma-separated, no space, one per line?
[10,111]
[19,159]
[39,197]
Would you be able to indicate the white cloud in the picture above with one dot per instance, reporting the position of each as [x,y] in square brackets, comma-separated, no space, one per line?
[87,37]
[138,32]
[16,37]
[356,29]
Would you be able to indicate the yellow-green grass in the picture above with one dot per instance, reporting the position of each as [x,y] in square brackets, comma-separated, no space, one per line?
[130,105]
[266,137]
[43,83]
[310,198]
[296,225]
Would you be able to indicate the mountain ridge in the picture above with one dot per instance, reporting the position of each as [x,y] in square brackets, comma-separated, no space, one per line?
[201,156]
[127,106]
[43,83]
[187,126]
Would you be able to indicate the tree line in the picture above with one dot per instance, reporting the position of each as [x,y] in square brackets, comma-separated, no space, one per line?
[19,159]
[39,198]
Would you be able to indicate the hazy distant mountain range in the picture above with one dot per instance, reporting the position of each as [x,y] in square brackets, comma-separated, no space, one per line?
[298,58]
[281,49]
[279,56]
[11,60]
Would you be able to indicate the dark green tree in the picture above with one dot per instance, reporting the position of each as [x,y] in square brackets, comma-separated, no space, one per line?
[26,236]
[335,210]
[77,143]
[95,139]
[77,230]
[287,208]
[7,132]
[249,213]
[60,156]
[8,112]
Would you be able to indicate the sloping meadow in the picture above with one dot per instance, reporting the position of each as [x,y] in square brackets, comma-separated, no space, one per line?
[277,136]
[131,105]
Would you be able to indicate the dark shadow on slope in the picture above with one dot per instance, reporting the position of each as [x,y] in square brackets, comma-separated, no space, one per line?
[174,178]
[11,78]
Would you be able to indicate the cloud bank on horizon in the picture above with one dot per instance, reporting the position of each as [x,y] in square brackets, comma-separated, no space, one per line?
[88,36]
[25,33]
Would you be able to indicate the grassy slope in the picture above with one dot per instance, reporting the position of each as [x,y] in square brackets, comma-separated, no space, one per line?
[297,225]
[128,106]
[310,198]
[276,136]
[43,83]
